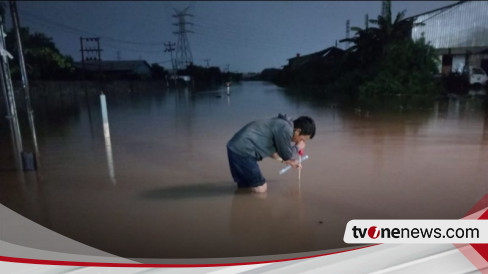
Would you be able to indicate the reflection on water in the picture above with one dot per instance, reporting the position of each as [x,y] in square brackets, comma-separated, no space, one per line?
[175,198]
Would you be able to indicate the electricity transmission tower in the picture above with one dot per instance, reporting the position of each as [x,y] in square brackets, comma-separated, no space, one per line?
[183,56]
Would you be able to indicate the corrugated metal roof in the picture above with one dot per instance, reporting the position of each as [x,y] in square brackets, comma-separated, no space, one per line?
[315,56]
[436,11]
[463,25]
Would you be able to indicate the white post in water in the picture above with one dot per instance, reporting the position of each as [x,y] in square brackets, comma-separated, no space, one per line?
[106,134]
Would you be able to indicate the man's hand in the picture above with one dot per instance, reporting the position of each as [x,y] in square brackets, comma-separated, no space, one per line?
[293,163]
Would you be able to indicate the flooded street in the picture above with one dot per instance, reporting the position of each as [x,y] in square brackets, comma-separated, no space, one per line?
[159,185]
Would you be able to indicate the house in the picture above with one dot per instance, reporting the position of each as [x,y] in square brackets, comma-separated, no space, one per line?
[117,69]
[458,32]
[326,56]
[315,69]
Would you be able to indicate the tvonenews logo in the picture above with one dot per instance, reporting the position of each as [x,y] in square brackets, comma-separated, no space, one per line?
[416,231]
[373,232]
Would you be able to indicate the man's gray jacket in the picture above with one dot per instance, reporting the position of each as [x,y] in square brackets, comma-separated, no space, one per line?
[262,138]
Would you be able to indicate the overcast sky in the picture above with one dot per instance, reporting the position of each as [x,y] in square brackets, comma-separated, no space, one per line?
[248,36]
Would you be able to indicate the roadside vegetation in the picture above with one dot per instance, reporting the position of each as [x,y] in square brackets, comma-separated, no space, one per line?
[383,68]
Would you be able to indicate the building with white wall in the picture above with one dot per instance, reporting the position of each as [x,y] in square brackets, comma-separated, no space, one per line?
[458,32]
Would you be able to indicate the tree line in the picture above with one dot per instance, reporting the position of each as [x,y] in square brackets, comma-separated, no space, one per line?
[382,67]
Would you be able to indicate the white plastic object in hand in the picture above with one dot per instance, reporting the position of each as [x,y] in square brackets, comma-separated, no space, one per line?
[288,166]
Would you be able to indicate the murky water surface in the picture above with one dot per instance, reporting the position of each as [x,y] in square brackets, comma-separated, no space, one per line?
[160,186]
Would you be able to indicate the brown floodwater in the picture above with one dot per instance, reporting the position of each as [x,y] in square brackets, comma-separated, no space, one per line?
[159,185]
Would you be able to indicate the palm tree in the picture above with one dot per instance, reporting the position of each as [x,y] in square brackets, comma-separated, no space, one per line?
[385,62]
[368,43]
[388,31]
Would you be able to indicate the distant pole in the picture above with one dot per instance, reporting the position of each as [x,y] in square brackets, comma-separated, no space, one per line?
[92,53]
[82,55]
[99,63]
[366,21]
[229,78]
[386,10]
[207,60]
[25,81]
[169,47]
[347,31]
[99,51]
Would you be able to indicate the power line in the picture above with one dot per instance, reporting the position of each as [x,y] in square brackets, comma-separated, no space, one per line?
[81,31]
[109,44]
[76,32]
[228,34]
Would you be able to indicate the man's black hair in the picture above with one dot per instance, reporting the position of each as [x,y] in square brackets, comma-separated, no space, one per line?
[306,124]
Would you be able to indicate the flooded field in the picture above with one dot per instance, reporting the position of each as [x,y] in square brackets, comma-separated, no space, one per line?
[153,180]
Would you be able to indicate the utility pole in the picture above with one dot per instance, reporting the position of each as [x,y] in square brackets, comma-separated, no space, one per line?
[91,52]
[348,28]
[207,60]
[386,10]
[227,70]
[9,95]
[183,51]
[25,81]
[169,47]
[90,49]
